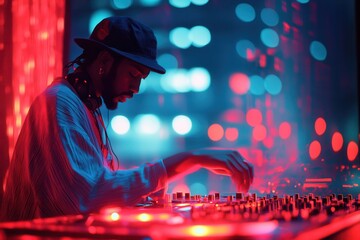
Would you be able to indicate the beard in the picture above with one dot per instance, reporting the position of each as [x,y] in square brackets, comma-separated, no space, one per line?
[110,104]
[109,94]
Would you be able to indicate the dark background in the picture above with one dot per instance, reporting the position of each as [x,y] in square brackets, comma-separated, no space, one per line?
[310,89]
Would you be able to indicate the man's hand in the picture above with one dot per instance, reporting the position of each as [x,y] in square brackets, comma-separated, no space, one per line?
[227,162]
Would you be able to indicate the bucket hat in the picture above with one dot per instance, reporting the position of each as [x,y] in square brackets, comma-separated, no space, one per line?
[126,37]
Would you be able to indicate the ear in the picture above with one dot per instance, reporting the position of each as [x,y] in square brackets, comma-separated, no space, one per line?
[105,58]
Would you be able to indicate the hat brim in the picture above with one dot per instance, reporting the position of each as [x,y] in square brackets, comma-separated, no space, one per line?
[150,63]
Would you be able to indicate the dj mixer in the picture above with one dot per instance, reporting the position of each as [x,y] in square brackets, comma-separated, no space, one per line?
[214,216]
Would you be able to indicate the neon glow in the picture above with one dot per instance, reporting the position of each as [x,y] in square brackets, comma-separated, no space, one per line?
[352,150]
[245,12]
[259,132]
[144,217]
[337,141]
[39,59]
[200,36]
[147,123]
[182,124]
[231,134]
[180,37]
[272,84]
[233,116]
[254,117]
[239,83]
[199,79]
[314,149]
[269,16]
[257,85]
[246,49]
[318,180]
[320,126]
[215,132]
[269,37]
[120,124]
[115,216]
[284,130]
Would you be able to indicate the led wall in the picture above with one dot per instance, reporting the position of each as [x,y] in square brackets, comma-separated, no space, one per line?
[31,56]
[275,79]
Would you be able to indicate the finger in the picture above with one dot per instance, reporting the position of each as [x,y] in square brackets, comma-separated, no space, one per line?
[239,176]
[220,171]
[251,170]
[242,168]
[249,165]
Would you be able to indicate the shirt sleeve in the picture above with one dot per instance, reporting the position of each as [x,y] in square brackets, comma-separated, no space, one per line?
[78,178]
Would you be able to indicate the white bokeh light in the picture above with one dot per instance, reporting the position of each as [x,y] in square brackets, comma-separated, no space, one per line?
[199,79]
[147,124]
[200,36]
[182,124]
[120,124]
[180,37]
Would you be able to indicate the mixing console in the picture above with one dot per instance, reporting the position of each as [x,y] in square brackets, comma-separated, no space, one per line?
[215,216]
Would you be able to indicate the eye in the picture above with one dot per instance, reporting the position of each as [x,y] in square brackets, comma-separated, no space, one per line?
[135,74]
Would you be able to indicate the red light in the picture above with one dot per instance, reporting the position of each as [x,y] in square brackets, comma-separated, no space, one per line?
[253,117]
[286,27]
[259,132]
[320,126]
[239,83]
[250,54]
[278,64]
[352,150]
[337,141]
[262,60]
[115,216]
[233,116]
[29,74]
[144,217]
[268,142]
[314,149]
[215,132]
[284,130]
[231,134]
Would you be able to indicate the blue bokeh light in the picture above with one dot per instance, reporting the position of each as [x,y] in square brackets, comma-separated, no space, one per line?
[200,2]
[257,85]
[270,17]
[97,16]
[121,4]
[200,36]
[318,50]
[303,1]
[272,84]
[269,37]
[180,3]
[245,12]
[180,37]
[182,124]
[245,48]
[149,3]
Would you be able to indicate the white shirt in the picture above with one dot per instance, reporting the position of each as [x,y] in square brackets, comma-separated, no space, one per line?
[58,167]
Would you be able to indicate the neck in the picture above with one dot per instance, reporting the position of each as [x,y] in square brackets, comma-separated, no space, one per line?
[85,89]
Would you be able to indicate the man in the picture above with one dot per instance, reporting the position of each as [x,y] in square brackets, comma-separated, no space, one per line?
[62,163]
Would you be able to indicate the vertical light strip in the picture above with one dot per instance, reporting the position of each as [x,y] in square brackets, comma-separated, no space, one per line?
[38,30]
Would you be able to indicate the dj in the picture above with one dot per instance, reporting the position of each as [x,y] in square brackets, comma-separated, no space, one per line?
[62,163]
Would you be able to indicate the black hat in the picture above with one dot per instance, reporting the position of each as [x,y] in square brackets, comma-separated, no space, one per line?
[126,37]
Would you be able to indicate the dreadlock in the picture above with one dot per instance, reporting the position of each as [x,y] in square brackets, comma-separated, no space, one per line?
[83,60]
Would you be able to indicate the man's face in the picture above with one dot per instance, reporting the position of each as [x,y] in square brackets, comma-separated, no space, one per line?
[122,81]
